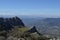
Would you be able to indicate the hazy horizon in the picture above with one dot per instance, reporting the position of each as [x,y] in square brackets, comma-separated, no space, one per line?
[41,8]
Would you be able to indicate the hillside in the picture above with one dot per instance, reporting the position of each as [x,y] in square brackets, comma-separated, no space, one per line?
[9,23]
[14,29]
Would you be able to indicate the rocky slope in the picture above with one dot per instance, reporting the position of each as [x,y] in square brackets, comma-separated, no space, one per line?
[14,29]
[8,23]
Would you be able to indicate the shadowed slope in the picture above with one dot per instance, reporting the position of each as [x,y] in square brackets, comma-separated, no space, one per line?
[33,30]
[8,23]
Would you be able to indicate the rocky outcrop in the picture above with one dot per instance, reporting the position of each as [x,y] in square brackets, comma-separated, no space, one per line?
[8,23]
[33,30]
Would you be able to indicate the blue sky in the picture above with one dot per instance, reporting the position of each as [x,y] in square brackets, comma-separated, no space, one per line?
[43,8]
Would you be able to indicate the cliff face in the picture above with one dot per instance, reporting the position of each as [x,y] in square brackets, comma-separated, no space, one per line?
[8,23]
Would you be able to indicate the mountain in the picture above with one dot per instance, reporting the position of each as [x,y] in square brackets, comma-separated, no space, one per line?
[8,23]
[49,26]
[14,29]
[28,20]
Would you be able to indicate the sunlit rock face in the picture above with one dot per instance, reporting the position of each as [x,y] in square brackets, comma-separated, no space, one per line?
[8,23]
